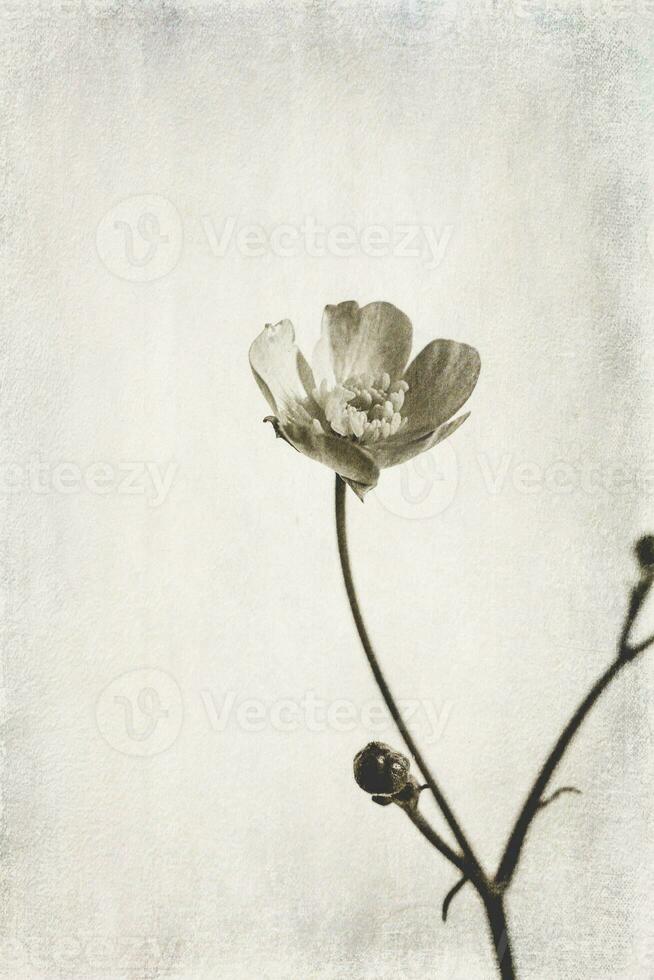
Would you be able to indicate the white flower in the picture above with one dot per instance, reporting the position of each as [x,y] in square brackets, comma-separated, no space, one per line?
[361,409]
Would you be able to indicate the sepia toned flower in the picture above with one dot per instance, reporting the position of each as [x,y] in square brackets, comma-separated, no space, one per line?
[358,408]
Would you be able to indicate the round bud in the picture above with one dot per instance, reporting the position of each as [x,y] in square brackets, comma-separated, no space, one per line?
[645,553]
[380,770]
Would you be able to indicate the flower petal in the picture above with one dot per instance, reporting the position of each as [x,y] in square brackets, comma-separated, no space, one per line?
[441,379]
[341,455]
[392,452]
[372,340]
[281,370]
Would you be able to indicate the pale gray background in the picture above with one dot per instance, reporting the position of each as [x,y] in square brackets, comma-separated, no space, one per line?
[223,851]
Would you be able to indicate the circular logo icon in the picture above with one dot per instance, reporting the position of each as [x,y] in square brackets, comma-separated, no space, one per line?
[140,712]
[140,239]
[422,488]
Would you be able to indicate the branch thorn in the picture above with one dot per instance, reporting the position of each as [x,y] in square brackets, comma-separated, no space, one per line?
[556,794]
[447,901]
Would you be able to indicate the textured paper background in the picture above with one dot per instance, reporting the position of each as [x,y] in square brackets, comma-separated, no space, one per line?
[222,840]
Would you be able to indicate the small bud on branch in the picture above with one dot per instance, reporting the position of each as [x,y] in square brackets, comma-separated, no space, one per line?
[381,770]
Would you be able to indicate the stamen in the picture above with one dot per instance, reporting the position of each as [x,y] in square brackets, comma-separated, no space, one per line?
[397,398]
[357,423]
[362,408]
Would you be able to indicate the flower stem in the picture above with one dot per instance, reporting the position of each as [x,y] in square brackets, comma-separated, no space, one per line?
[496,915]
[434,839]
[473,868]
[491,890]
[533,803]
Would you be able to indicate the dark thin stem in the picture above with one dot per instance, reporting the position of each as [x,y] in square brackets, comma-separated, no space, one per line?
[430,834]
[491,891]
[636,599]
[555,795]
[451,895]
[472,865]
[500,935]
[532,804]
[640,647]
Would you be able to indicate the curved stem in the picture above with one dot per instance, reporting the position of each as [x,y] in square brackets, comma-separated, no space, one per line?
[533,803]
[472,865]
[451,895]
[435,839]
[555,795]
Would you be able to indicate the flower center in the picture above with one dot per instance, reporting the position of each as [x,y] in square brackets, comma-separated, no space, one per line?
[362,407]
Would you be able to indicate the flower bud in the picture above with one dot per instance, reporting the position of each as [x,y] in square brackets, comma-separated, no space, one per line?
[645,553]
[380,770]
